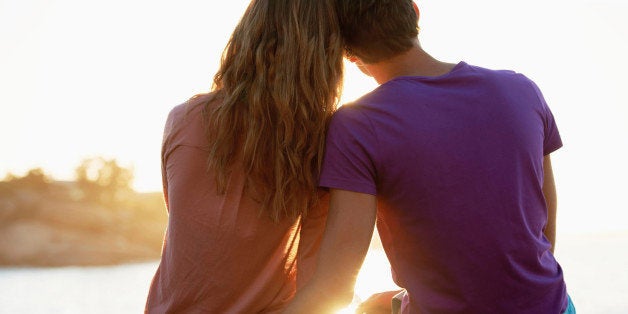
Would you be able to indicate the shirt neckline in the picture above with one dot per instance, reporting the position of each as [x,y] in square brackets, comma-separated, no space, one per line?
[456,68]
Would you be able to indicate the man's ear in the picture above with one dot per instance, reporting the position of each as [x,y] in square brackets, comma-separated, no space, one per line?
[354,59]
[416,10]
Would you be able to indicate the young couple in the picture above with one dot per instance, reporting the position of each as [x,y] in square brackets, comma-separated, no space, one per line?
[272,201]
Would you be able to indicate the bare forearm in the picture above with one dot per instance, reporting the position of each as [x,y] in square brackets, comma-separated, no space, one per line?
[550,234]
[321,298]
[549,191]
[346,240]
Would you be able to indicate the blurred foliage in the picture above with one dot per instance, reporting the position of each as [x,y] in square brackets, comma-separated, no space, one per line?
[103,180]
[35,179]
[94,220]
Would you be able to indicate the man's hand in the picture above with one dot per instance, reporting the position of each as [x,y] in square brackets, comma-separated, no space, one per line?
[378,303]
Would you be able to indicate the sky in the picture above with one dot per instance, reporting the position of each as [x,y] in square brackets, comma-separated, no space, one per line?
[82,78]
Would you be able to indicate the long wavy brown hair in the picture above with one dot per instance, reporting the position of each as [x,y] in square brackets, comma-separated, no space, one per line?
[279,81]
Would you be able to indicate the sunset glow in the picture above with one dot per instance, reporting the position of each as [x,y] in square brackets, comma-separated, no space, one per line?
[97,79]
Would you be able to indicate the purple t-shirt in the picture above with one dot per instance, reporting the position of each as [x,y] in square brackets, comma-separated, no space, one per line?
[456,162]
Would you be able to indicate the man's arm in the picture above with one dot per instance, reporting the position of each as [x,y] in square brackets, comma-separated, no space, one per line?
[310,238]
[347,237]
[549,190]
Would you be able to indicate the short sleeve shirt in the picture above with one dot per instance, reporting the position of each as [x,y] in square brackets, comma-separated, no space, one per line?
[456,162]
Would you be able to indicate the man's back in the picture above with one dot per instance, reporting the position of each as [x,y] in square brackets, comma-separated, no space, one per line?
[456,162]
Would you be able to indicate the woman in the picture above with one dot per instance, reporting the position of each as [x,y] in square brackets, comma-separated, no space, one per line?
[240,166]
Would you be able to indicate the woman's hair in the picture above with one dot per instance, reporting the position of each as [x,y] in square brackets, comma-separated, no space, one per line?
[375,30]
[279,81]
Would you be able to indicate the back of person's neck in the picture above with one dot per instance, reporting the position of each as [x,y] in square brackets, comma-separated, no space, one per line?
[414,62]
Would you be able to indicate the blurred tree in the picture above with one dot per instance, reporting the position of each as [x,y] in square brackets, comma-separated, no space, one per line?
[85,180]
[35,179]
[104,180]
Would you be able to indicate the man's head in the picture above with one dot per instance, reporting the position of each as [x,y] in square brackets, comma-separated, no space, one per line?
[375,30]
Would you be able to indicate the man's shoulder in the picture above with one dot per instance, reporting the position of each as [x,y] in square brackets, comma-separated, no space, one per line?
[376,100]
[351,111]
[499,73]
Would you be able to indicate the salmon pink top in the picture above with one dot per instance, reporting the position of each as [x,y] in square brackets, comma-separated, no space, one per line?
[219,255]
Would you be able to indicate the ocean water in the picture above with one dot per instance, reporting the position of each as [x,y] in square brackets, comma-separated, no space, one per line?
[595,267]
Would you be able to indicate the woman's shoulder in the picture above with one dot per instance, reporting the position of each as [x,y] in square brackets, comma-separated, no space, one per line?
[185,120]
[192,108]
[202,98]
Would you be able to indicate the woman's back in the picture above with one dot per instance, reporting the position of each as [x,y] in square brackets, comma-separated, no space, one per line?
[220,255]
[240,165]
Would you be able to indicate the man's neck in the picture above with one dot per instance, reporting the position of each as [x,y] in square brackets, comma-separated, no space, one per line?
[414,62]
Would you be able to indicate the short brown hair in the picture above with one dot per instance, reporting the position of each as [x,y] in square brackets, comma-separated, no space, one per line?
[375,30]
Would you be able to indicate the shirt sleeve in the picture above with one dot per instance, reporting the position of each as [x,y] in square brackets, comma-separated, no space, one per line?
[552,140]
[165,152]
[349,162]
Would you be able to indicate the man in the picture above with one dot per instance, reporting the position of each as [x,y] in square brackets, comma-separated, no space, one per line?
[454,161]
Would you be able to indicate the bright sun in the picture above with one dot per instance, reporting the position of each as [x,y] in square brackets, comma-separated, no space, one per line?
[374,277]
